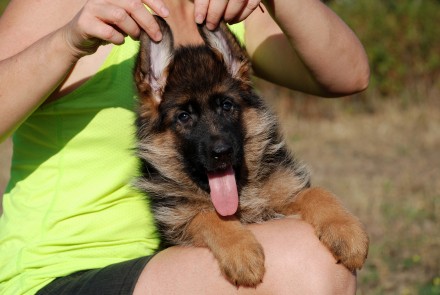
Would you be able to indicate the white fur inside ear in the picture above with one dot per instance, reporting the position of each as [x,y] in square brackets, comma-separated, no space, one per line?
[218,41]
[160,57]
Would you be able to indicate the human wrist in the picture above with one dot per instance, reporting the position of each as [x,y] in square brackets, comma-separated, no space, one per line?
[74,46]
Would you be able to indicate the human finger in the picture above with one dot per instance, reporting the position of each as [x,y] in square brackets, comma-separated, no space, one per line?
[126,16]
[119,18]
[239,10]
[158,6]
[200,10]
[215,13]
[233,9]
[85,33]
[142,17]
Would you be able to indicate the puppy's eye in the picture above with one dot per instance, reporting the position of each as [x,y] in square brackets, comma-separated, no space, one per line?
[227,105]
[183,117]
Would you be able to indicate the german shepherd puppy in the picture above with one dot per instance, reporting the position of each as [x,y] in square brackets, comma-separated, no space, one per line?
[213,158]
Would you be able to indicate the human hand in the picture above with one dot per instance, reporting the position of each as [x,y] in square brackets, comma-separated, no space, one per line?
[109,21]
[231,11]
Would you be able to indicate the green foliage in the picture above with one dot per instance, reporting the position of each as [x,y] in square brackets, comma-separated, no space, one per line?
[3,4]
[402,41]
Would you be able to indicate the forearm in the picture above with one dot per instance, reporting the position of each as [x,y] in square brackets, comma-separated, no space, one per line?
[321,43]
[78,29]
[29,77]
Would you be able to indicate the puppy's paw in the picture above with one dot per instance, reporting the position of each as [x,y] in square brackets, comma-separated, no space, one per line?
[242,262]
[347,240]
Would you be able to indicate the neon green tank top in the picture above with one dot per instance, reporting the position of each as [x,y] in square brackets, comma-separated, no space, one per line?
[70,204]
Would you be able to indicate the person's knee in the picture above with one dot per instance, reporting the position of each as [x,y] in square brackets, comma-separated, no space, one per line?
[297,261]
[183,270]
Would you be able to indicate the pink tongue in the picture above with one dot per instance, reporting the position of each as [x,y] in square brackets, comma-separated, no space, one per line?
[224,193]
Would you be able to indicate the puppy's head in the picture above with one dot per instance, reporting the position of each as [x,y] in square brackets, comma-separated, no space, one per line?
[199,93]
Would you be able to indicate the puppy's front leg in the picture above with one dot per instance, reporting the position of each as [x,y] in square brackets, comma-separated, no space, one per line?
[240,255]
[337,229]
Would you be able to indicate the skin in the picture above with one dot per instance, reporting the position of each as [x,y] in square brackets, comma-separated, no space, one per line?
[296,263]
[320,55]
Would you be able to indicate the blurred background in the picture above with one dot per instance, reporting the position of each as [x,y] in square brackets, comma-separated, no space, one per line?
[378,150]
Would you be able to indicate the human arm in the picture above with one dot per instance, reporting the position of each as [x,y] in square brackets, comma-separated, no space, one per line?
[305,46]
[43,40]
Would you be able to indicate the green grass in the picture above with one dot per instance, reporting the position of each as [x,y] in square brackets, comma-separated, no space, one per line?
[402,43]
[3,4]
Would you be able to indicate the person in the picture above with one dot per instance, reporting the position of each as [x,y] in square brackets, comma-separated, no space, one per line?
[72,223]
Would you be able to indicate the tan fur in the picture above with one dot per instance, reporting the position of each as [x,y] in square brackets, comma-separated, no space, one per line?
[240,256]
[337,229]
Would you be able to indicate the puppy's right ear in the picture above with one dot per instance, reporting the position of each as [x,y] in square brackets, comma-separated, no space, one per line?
[226,45]
[151,68]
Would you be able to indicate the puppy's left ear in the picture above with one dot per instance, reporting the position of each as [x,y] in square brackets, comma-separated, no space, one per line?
[223,42]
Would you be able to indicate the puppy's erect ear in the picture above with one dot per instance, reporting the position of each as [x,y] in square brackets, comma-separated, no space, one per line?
[151,68]
[224,43]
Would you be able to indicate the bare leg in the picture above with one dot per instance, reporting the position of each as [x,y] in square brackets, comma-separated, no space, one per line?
[296,263]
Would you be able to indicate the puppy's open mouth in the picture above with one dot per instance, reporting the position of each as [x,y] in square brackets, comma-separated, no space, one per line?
[224,194]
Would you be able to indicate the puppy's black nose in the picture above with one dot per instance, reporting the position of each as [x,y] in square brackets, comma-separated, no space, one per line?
[221,151]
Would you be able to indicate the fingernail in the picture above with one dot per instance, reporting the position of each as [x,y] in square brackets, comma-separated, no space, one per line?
[165,12]
[199,18]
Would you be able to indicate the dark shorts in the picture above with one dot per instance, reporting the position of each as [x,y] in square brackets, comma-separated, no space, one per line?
[119,278]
